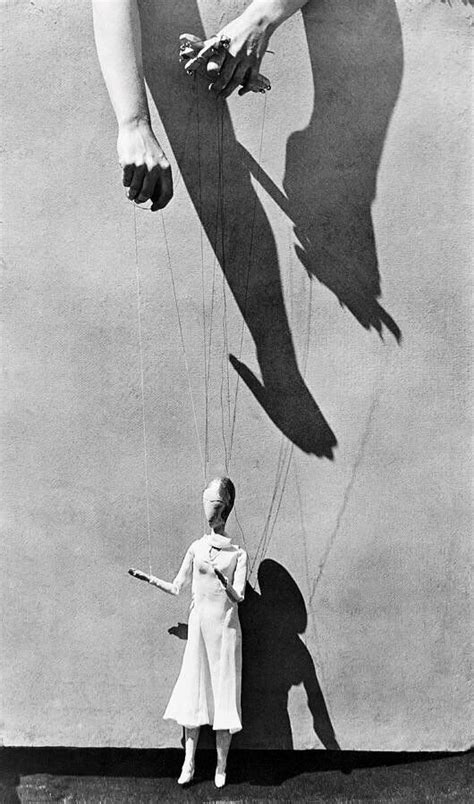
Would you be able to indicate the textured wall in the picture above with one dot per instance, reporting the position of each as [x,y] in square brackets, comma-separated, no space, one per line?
[349,450]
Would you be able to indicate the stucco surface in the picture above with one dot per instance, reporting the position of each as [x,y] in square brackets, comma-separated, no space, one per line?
[350,451]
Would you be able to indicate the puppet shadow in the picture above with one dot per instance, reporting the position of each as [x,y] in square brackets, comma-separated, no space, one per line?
[331,169]
[275,659]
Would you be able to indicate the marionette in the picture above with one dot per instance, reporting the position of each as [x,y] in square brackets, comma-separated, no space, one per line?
[209,684]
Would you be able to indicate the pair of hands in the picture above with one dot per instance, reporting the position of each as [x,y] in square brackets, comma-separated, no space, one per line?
[229,61]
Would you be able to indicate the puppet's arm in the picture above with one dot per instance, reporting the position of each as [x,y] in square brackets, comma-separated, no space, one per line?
[182,579]
[146,170]
[165,586]
[236,591]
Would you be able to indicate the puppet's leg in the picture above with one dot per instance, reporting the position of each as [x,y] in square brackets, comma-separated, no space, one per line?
[191,737]
[223,739]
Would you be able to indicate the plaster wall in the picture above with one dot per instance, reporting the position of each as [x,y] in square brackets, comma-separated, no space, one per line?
[350,451]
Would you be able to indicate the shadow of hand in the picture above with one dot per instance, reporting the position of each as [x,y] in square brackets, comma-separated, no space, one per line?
[180,630]
[333,224]
[293,410]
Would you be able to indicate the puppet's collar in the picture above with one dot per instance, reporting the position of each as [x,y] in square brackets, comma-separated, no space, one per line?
[217,540]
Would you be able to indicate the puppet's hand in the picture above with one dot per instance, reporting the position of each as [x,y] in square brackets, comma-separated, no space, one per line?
[213,59]
[146,170]
[142,576]
[222,578]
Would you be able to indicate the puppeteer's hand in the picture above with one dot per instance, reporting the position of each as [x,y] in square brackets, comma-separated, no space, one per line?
[142,576]
[146,170]
[214,59]
[248,39]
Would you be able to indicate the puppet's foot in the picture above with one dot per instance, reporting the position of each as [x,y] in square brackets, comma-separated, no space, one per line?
[187,773]
[219,778]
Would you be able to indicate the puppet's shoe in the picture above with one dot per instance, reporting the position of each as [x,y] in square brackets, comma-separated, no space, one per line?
[219,779]
[187,773]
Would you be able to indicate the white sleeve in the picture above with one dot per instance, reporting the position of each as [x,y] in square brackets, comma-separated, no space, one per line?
[240,574]
[185,573]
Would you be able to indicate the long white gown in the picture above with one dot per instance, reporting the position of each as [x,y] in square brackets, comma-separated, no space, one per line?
[208,687]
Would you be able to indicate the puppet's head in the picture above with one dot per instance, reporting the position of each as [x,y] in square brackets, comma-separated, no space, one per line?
[218,500]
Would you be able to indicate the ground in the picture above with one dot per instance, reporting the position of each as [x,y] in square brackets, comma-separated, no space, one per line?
[113,776]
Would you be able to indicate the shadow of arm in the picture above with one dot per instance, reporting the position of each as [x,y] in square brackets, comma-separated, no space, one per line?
[317,705]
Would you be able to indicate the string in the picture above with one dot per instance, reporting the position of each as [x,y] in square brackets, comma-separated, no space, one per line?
[220,250]
[252,232]
[183,345]
[203,284]
[225,375]
[286,451]
[142,386]
[224,282]
[207,332]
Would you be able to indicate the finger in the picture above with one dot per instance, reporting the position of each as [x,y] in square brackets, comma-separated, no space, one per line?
[214,65]
[186,53]
[151,180]
[137,181]
[189,39]
[259,83]
[262,83]
[127,175]
[225,75]
[256,82]
[190,47]
[238,78]
[163,192]
[209,50]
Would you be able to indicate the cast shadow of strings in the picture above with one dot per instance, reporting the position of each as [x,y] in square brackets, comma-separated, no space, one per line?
[274,660]
[329,185]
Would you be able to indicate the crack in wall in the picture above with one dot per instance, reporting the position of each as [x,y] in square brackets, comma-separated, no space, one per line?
[347,494]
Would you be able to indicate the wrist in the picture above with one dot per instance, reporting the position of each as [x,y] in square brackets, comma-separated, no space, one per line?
[135,122]
[268,15]
[260,17]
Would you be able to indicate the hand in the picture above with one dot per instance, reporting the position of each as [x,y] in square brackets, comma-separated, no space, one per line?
[248,39]
[146,170]
[212,59]
[142,576]
[222,578]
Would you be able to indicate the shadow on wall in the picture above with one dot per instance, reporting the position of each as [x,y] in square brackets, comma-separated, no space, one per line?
[331,169]
[356,55]
[275,659]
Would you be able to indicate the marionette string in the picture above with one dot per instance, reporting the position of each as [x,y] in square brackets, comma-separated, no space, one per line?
[247,282]
[142,388]
[183,343]
[286,451]
[228,410]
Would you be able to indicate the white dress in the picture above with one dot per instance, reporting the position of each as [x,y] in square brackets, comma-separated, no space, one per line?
[208,687]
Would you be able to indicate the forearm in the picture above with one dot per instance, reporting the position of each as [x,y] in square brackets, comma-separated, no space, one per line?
[269,14]
[118,40]
[165,586]
[233,594]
